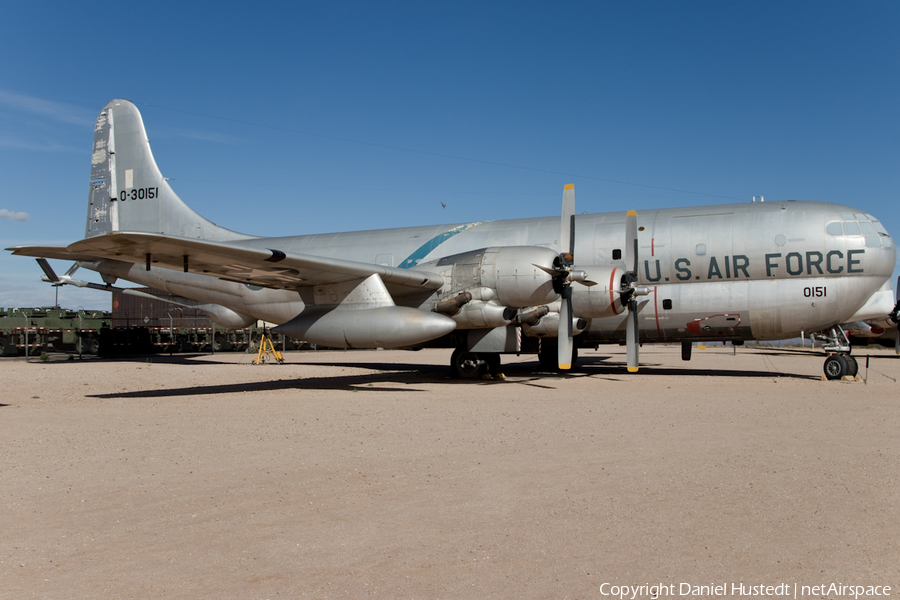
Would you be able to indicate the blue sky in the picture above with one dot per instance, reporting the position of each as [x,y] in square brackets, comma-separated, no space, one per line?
[291,118]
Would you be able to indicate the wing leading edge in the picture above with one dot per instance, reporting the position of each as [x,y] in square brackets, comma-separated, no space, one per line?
[263,267]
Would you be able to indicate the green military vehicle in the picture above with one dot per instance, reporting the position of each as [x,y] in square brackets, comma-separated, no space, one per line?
[30,331]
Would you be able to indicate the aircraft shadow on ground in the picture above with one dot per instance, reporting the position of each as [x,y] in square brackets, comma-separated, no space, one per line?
[395,378]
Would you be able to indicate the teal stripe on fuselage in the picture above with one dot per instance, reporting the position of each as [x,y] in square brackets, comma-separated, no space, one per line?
[425,249]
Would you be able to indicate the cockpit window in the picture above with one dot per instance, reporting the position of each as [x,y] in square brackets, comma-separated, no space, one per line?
[835,228]
[861,225]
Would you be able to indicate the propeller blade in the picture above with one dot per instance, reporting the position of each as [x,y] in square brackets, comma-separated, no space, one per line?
[550,271]
[631,338]
[631,241]
[564,355]
[567,223]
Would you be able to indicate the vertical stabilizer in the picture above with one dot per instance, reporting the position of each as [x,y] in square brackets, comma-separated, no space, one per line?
[128,192]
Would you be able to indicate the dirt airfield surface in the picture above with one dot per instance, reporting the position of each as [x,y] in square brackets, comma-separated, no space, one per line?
[372,474]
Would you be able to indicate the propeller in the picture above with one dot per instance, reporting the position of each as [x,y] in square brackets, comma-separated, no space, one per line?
[630,290]
[567,250]
[563,275]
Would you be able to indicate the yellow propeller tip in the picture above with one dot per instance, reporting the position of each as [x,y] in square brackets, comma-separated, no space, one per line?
[631,213]
[632,369]
[565,367]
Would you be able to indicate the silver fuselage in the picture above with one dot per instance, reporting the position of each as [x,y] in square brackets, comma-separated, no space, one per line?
[729,272]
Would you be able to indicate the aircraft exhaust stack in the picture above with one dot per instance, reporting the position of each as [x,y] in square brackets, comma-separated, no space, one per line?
[452,306]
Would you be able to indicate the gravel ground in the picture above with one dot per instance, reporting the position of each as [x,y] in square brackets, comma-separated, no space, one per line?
[372,474]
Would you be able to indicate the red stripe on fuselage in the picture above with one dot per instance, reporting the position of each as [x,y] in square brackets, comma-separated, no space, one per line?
[612,292]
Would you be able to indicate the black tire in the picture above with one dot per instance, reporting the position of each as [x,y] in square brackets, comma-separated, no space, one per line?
[87,345]
[7,347]
[548,356]
[467,365]
[493,362]
[852,365]
[835,367]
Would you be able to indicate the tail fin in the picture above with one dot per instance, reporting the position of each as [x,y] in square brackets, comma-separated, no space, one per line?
[128,192]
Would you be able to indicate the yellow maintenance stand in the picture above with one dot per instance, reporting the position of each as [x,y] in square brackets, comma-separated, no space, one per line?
[267,348]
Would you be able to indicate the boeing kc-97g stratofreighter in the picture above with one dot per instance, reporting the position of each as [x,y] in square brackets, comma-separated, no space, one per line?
[753,271]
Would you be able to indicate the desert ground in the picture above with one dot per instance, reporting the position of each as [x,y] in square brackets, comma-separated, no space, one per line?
[354,474]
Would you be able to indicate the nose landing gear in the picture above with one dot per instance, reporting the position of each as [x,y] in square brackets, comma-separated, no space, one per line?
[838,366]
[839,363]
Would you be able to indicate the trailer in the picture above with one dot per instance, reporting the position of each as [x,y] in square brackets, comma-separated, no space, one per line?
[141,324]
[137,324]
[30,331]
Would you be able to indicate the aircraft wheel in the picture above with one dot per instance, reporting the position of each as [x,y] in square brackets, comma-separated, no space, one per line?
[852,365]
[492,359]
[836,367]
[467,365]
[548,356]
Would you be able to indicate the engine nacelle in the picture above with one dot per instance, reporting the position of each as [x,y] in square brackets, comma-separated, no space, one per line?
[603,299]
[226,317]
[509,271]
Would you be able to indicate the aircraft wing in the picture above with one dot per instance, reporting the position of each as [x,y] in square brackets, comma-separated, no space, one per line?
[58,252]
[264,267]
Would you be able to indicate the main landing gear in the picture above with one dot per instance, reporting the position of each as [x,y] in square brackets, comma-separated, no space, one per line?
[473,365]
[839,363]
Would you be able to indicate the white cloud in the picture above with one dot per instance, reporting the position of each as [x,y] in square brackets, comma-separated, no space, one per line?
[56,111]
[8,142]
[13,216]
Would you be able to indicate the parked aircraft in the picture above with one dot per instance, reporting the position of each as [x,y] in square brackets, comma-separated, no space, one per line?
[753,271]
[882,331]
